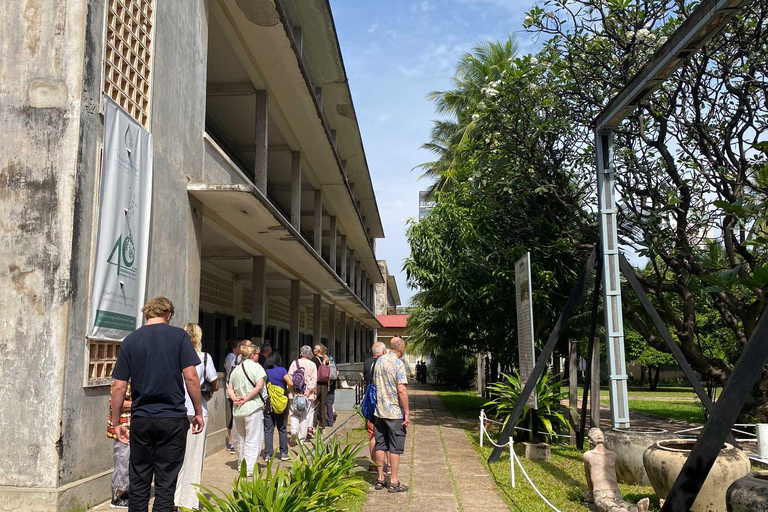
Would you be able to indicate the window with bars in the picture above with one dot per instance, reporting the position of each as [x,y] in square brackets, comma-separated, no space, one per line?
[102,356]
[128,63]
[216,289]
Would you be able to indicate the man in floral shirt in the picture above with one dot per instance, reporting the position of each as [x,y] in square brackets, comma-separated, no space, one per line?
[393,415]
[121,453]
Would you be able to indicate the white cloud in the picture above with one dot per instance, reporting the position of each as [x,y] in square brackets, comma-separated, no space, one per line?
[373,27]
[410,71]
[382,119]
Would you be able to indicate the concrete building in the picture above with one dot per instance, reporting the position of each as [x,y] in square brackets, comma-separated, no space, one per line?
[263,224]
[425,204]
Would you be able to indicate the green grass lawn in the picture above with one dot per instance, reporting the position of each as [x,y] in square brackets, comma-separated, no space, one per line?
[642,391]
[689,412]
[561,480]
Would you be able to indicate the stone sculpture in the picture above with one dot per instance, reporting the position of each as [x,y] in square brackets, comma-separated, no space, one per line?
[600,469]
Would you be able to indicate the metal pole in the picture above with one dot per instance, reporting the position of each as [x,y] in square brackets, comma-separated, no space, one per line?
[609,244]
[592,329]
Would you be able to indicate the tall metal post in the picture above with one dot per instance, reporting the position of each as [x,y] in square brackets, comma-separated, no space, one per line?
[614,326]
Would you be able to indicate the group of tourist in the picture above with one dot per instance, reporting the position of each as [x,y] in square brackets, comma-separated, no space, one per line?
[421,372]
[158,408]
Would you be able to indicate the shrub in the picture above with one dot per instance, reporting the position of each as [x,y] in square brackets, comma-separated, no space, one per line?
[318,477]
[550,394]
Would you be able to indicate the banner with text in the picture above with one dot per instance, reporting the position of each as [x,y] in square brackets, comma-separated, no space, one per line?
[526,351]
[122,245]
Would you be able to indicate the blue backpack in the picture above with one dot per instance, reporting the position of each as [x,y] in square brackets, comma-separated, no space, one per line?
[368,407]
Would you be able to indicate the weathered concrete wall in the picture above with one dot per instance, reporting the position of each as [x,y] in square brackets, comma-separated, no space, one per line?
[40,97]
[178,115]
[380,291]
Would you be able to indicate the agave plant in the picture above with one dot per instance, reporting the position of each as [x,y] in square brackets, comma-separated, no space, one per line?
[549,394]
[271,490]
[325,472]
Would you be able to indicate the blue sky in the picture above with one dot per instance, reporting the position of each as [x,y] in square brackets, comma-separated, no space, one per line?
[396,52]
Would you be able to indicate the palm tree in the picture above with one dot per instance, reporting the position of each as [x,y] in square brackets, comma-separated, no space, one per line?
[485,63]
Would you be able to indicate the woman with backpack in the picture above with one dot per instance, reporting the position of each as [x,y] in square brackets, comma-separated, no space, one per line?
[192,467]
[279,383]
[323,364]
[303,373]
[247,391]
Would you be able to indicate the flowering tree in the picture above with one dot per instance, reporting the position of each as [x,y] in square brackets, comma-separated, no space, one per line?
[691,167]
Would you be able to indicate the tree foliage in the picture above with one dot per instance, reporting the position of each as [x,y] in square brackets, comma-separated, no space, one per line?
[692,184]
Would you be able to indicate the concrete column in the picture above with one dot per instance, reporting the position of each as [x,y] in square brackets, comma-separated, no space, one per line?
[319,222]
[353,340]
[352,270]
[293,340]
[258,299]
[341,355]
[343,258]
[317,320]
[332,251]
[296,190]
[363,287]
[262,124]
[332,329]
[358,277]
[372,302]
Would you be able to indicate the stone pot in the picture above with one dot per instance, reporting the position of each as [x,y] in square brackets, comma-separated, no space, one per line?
[749,493]
[629,444]
[664,460]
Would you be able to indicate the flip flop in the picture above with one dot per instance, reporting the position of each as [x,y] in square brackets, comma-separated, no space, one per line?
[380,484]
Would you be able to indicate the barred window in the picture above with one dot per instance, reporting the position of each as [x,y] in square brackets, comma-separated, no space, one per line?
[128,62]
[216,289]
[102,356]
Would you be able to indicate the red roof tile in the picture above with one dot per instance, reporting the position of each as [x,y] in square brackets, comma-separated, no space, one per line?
[393,321]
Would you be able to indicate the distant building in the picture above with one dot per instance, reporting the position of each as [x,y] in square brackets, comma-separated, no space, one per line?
[425,204]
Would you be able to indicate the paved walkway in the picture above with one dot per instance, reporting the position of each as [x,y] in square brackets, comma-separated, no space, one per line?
[441,468]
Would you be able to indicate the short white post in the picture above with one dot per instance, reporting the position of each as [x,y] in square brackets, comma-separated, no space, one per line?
[512,462]
[762,440]
[482,426]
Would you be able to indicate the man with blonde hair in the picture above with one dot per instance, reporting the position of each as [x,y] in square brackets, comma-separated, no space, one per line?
[393,414]
[159,360]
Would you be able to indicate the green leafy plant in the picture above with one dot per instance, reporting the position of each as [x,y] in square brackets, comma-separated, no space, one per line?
[549,393]
[317,479]
[325,472]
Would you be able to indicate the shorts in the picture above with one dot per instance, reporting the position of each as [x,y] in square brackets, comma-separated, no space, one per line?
[390,435]
[369,427]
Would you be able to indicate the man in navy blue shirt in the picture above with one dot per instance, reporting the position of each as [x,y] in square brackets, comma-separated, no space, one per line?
[159,360]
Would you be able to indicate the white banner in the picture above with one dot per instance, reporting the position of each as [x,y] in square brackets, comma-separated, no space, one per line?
[122,246]
[525,349]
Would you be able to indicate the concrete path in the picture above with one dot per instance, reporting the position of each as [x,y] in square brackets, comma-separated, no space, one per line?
[441,468]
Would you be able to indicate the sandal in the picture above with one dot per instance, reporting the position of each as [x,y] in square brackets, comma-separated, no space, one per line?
[380,484]
[397,487]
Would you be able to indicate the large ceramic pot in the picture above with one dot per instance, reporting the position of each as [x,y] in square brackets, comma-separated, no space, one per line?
[629,444]
[664,460]
[749,493]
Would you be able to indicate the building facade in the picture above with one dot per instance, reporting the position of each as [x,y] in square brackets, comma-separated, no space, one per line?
[263,222]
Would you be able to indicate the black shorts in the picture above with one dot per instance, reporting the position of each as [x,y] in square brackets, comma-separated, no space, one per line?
[390,435]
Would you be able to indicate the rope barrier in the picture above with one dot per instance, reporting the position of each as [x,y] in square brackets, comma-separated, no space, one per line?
[488,420]
[512,458]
